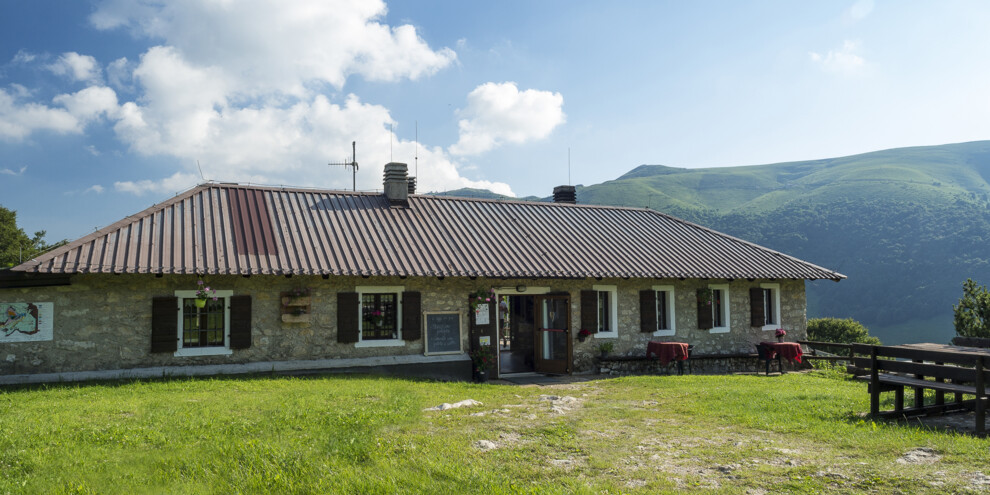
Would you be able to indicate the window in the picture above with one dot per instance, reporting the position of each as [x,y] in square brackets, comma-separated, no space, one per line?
[203,331]
[720,309]
[380,319]
[665,310]
[608,322]
[770,302]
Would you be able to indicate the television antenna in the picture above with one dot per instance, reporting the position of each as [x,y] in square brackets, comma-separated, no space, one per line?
[353,164]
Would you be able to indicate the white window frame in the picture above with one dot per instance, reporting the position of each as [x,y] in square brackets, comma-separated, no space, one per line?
[204,351]
[380,289]
[613,303]
[669,289]
[727,317]
[775,292]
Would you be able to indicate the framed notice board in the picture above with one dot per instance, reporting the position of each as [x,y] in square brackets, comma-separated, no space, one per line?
[442,332]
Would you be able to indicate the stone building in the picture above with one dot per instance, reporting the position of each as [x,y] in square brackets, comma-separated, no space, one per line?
[307,279]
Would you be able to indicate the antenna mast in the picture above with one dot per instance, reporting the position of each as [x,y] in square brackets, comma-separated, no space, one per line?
[568,165]
[353,164]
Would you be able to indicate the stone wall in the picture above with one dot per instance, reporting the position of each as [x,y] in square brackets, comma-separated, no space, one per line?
[104,321]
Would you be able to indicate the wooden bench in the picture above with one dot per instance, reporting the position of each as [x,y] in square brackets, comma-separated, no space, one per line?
[945,369]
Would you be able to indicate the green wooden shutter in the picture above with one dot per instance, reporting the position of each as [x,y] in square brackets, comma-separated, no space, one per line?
[412,316]
[705,309]
[240,322]
[756,316]
[347,317]
[164,324]
[647,311]
[589,310]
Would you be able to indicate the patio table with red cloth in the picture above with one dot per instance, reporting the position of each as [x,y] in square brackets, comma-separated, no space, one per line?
[665,352]
[790,351]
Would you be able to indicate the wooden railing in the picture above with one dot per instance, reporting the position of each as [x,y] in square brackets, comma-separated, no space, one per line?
[844,351]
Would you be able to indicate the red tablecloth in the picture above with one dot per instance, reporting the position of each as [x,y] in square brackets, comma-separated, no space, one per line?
[790,351]
[667,351]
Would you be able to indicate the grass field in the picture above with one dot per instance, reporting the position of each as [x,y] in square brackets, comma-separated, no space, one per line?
[731,434]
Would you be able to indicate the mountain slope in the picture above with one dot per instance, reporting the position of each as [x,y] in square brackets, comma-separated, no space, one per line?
[907,225]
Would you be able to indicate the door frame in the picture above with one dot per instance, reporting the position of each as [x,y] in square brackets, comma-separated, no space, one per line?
[514,291]
[539,362]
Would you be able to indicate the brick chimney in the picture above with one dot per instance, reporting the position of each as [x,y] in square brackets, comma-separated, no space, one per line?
[397,184]
[564,194]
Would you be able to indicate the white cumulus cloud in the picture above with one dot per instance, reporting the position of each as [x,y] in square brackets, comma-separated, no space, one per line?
[82,68]
[90,103]
[844,61]
[253,91]
[499,113]
[19,119]
[270,45]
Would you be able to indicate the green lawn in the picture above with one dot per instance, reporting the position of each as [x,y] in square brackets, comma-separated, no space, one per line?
[731,434]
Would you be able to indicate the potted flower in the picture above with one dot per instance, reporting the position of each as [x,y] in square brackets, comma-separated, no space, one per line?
[780,333]
[481,296]
[204,292]
[378,317]
[605,348]
[583,334]
[483,357]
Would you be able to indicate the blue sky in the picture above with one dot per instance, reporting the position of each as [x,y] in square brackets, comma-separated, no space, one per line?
[106,107]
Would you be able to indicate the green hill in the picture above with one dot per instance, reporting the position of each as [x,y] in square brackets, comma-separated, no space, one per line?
[907,225]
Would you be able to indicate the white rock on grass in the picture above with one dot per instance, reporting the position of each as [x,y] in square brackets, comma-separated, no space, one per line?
[920,455]
[446,405]
[485,445]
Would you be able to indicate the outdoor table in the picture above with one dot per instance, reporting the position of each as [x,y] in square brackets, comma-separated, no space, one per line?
[666,352]
[790,351]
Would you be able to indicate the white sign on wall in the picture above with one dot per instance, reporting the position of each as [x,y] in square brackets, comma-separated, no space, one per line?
[481,314]
[26,322]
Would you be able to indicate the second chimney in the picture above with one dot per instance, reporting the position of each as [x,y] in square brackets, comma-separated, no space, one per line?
[396,184]
[564,194]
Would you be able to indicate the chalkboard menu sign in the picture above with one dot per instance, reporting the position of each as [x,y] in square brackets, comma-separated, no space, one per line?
[443,332]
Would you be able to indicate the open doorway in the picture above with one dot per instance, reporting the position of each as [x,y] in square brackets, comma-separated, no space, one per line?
[534,334]
[516,334]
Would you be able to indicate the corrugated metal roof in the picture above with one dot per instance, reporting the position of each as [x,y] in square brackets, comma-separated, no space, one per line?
[234,229]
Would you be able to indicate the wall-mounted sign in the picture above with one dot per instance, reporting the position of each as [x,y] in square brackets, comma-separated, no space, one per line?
[485,340]
[442,332]
[26,322]
[481,315]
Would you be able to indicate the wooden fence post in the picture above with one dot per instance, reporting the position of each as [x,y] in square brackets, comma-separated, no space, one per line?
[981,410]
[874,383]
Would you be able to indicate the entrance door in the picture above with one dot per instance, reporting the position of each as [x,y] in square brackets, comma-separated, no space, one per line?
[553,335]
[516,336]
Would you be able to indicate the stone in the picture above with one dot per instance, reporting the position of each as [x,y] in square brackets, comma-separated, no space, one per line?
[445,406]
[485,445]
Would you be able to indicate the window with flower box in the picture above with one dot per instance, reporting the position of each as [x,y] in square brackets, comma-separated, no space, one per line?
[379,316]
[180,326]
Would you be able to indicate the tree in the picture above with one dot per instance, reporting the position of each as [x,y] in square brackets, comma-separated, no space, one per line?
[15,245]
[847,331]
[972,316]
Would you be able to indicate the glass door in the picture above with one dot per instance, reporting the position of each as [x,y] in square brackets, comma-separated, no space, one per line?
[553,336]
